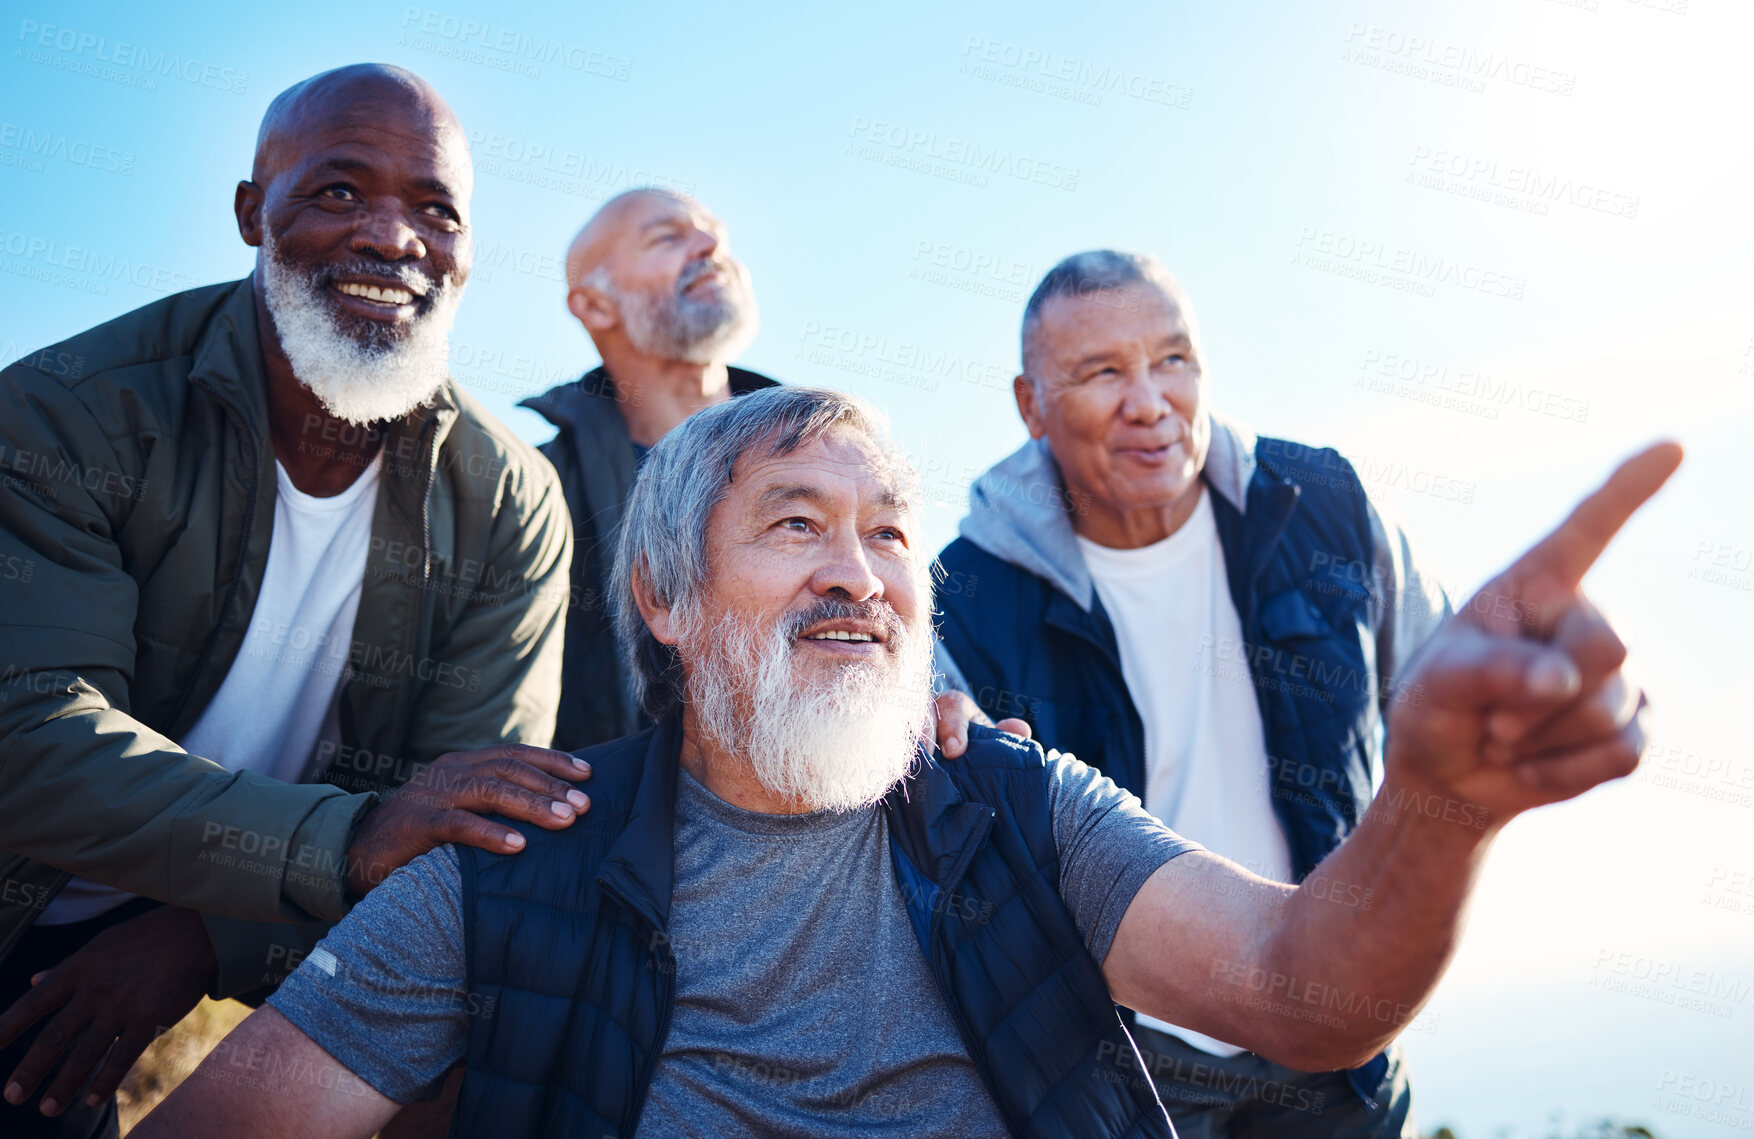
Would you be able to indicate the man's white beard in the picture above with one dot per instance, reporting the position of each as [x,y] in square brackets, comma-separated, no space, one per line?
[838,744]
[676,326]
[361,383]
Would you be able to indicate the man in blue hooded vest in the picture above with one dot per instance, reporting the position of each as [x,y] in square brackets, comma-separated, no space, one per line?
[782,916]
[1215,621]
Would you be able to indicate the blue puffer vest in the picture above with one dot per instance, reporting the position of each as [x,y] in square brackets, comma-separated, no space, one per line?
[1028,650]
[567,942]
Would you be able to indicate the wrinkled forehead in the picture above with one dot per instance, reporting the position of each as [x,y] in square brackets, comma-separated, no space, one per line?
[365,122]
[1144,310]
[842,469]
[647,213]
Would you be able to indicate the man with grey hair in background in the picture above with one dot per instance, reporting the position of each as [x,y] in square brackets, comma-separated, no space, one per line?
[1218,622]
[784,916]
[652,280]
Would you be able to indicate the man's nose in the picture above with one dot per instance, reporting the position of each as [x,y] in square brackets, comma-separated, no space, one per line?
[703,244]
[388,233]
[1145,401]
[847,573]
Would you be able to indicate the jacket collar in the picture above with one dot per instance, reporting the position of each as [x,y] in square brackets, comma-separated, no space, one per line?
[593,395]
[1018,513]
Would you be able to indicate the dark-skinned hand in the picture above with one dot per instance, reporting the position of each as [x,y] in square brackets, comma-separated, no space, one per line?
[447,800]
[128,984]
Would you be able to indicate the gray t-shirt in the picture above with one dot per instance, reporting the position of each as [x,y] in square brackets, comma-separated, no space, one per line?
[804,1005]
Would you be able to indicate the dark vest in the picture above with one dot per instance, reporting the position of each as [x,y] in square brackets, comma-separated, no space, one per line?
[1298,561]
[570,964]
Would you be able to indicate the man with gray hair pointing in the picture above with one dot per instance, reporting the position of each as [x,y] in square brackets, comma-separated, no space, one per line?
[789,917]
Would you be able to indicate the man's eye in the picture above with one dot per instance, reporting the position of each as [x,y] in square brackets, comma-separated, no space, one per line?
[1175,358]
[339,192]
[798,524]
[439,210]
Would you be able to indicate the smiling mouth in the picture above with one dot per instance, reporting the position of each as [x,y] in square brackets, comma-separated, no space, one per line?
[838,635]
[388,296]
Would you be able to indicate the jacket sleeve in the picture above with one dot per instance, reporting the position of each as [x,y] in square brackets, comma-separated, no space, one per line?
[86,787]
[505,646]
[1407,601]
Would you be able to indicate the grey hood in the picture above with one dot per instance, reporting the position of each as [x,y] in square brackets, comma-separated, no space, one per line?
[1017,510]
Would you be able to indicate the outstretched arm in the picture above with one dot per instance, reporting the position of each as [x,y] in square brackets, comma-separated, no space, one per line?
[1519,701]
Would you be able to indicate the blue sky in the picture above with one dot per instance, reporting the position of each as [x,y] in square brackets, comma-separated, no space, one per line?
[1483,248]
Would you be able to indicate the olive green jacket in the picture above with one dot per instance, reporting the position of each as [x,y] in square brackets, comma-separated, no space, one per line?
[137,489]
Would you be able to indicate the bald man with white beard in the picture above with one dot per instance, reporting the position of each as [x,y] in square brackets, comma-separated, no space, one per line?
[308,571]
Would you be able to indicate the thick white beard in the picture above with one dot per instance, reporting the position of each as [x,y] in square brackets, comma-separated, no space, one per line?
[677,327]
[354,382]
[837,745]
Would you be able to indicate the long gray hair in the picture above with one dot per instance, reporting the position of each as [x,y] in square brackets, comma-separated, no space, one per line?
[663,533]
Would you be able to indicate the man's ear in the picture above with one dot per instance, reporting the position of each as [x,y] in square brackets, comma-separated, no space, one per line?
[657,615]
[1023,389]
[592,308]
[247,205]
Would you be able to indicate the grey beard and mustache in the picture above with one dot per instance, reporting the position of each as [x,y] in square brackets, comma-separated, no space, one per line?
[384,374]
[838,744]
[676,326]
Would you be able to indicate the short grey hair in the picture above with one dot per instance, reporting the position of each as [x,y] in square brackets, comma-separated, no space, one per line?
[1098,271]
[663,532]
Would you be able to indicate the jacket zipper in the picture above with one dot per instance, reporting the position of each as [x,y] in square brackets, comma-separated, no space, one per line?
[237,576]
[426,507]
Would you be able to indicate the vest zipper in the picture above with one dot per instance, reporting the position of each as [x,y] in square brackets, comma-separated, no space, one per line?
[666,1006]
[942,976]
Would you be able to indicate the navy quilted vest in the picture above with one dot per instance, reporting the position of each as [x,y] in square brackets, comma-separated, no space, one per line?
[1298,559]
[566,943]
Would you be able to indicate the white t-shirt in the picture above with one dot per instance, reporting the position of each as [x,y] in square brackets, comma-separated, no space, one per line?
[271,709]
[1180,638]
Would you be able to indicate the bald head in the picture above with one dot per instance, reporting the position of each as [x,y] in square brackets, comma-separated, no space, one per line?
[620,215]
[358,94]
[650,275]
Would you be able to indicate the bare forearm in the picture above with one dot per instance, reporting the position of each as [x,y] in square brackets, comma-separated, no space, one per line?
[1359,947]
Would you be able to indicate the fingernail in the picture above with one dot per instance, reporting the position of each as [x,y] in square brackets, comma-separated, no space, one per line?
[580,764]
[49,1106]
[1553,675]
[577,799]
[560,809]
[514,840]
[14,1092]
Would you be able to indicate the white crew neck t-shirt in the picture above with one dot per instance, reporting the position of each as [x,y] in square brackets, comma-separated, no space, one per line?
[270,710]
[1206,773]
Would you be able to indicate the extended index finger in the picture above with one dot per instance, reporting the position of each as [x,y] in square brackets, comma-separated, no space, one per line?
[1561,559]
